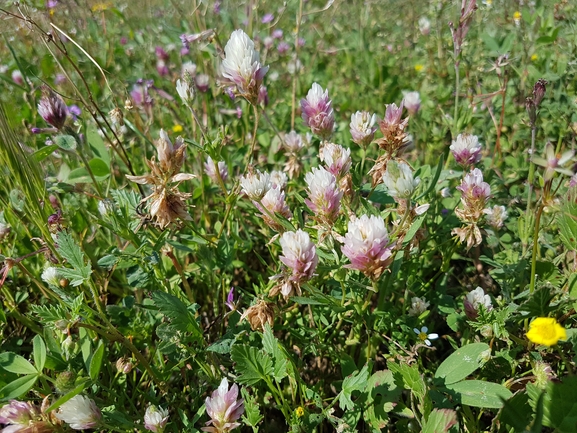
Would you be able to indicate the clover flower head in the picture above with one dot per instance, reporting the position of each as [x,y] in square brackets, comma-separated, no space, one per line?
[398,178]
[422,334]
[299,255]
[424,26]
[363,127]
[466,149]
[155,418]
[293,142]
[474,190]
[317,111]
[80,412]
[324,195]
[475,299]
[273,203]
[336,158]
[412,102]
[366,245]
[241,65]
[223,408]
[496,216]
[52,108]
[418,306]
[546,331]
[256,185]
[278,179]
[210,168]
[18,414]
[185,90]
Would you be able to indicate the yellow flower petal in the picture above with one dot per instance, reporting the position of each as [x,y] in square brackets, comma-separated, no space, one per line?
[546,331]
[177,128]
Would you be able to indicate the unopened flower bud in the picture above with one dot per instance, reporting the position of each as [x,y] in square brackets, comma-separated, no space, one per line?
[124,365]
[539,91]
[65,381]
[52,108]
[185,90]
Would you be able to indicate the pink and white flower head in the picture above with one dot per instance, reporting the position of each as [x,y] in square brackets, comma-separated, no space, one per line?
[293,142]
[52,108]
[363,127]
[366,245]
[466,149]
[424,26]
[80,412]
[398,179]
[185,90]
[223,408]
[202,82]
[317,112]
[324,195]
[278,179]
[155,418]
[242,67]
[473,300]
[393,115]
[256,185]
[475,193]
[336,158]
[17,77]
[412,102]
[418,306]
[210,168]
[300,256]
[496,216]
[274,203]
[19,414]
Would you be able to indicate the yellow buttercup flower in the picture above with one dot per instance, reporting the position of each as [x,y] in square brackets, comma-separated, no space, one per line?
[299,411]
[534,57]
[419,68]
[546,331]
[177,128]
[99,7]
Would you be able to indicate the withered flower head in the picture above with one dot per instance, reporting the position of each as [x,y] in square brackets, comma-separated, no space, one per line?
[167,202]
[539,91]
[259,314]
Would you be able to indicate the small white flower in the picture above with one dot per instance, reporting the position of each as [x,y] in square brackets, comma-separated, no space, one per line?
[474,299]
[496,216]
[278,179]
[155,418]
[412,102]
[50,276]
[398,179]
[255,186]
[185,91]
[363,127]
[80,412]
[424,337]
[418,306]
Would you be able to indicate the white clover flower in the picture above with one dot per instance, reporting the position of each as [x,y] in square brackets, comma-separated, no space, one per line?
[324,195]
[363,127]
[466,149]
[185,91]
[418,306]
[278,179]
[412,102]
[256,185]
[337,159]
[80,412]
[398,179]
[423,336]
[155,418]
[496,216]
[474,299]
[424,26]
[50,276]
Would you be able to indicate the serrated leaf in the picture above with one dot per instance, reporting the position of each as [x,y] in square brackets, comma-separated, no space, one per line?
[68,249]
[462,363]
[271,346]
[411,377]
[441,421]
[252,416]
[560,405]
[354,382]
[252,365]
[18,387]
[180,316]
[478,393]
[14,363]
[65,142]
[39,353]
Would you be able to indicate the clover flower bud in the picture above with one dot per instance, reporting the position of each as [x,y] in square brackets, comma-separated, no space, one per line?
[223,408]
[363,127]
[185,90]
[496,216]
[424,26]
[52,108]
[202,82]
[155,418]
[80,412]
[210,168]
[241,65]
[418,306]
[475,299]
[124,365]
[336,158]
[317,111]
[256,185]
[398,179]
[366,245]
[324,195]
[539,90]
[65,381]
[466,149]
[259,315]
[543,374]
[17,77]
[412,102]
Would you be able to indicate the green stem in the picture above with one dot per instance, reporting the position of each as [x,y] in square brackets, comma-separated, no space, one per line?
[89,170]
[254,134]
[530,185]
[457,85]
[535,248]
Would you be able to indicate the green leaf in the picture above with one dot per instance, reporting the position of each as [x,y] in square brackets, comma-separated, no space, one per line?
[478,393]
[435,178]
[251,364]
[353,382]
[271,346]
[252,416]
[462,363]
[75,257]
[411,377]
[96,361]
[44,152]
[79,388]
[560,405]
[181,318]
[99,169]
[18,387]
[441,421]
[39,353]
[65,142]
[567,220]
[14,363]
[516,412]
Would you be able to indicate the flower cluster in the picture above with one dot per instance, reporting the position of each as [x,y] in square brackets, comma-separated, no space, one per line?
[317,112]
[466,149]
[324,195]
[363,127]
[223,408]
[475,299]
[167,202]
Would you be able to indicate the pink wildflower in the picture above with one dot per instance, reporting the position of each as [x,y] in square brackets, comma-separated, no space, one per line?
[210,167]
[336,158]
[317,111]
[52,108]
[273,203]
[223,408]
[299,255]
[466,149]
[324,195]
[363,127]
